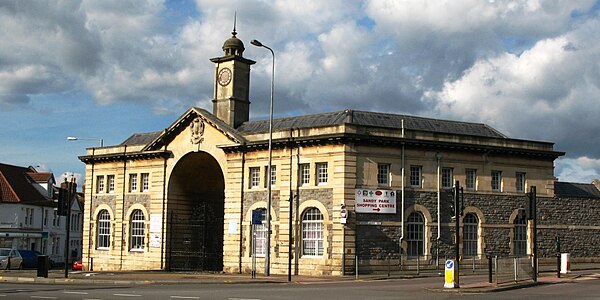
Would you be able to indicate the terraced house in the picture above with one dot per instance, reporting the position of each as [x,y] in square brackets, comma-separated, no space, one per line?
[345,185]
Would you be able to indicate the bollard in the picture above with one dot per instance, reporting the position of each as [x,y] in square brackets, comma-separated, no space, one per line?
[496,267]
[418,264]
[389,265]
[473,260]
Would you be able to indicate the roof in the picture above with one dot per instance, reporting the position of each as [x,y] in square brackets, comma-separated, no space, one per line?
[372,119]
[140,138]
[579,190]
[40,177]
[17,186]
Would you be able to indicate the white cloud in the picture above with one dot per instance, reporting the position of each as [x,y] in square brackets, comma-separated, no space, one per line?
[581,169]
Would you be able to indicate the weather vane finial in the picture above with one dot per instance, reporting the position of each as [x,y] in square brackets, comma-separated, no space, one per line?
[234,21]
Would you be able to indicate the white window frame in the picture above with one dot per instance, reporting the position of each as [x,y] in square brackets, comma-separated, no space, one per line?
[471,235]
[471,179]
[111,183]
[304,174]
[133,184]
[261,235]
[145,182]
[254,174]
[99,184]
[383,175]
[447,178]
[312,232]
[322,173]
[496,182]
[137,225]
[520,182]
[103,230]
[416,176]
[273,175]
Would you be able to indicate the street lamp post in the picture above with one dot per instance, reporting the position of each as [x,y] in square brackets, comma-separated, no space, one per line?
[74,138]
[269,174]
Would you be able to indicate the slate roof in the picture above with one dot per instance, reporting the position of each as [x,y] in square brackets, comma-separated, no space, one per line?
[372,119]
[140,138]
[578,190]
[16,186]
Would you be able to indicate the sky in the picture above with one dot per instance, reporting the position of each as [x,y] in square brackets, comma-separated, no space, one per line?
[108,69]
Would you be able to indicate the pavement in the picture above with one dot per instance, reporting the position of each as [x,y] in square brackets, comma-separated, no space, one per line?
[469,283]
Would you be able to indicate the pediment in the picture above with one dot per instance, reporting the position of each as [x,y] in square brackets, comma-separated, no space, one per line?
[195,120]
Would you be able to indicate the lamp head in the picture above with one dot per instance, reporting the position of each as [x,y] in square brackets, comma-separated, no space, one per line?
[256,43]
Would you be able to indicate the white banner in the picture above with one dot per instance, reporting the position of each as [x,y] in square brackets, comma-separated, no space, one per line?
[375,201]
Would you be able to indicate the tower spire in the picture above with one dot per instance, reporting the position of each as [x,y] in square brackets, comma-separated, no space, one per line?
[234,23]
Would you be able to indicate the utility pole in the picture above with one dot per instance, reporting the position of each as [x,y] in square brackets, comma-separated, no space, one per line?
[457,213]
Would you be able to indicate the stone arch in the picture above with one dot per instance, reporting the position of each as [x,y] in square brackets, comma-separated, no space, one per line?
[195,214]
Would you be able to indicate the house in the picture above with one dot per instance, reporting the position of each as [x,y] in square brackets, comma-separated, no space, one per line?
[28,218]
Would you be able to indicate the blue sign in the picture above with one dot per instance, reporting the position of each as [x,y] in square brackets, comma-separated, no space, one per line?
[449,264]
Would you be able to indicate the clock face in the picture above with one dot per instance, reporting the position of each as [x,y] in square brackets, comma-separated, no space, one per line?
[224,76]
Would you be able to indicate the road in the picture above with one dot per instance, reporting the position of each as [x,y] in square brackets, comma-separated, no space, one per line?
[584,288]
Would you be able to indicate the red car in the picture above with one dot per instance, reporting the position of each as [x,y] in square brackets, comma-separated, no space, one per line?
[77,265]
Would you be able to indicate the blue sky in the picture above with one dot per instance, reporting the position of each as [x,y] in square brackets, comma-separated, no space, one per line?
[108,69]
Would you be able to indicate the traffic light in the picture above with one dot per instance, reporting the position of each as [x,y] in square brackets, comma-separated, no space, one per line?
[531,204]
[63,202]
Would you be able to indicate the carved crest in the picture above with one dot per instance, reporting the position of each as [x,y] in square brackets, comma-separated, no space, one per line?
[197,129]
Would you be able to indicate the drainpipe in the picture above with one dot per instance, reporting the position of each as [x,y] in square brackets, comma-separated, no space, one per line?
[163,215]
[438,156]
[123,207]
[402,211]
[242,210]
[89,250]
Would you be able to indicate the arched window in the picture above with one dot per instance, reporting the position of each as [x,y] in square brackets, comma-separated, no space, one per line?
[415,229]
[103,229]
[312,232]
[520,238]
[261,234]
[470,235]
[136,232]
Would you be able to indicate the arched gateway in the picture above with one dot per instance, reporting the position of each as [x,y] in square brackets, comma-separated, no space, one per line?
[195,207]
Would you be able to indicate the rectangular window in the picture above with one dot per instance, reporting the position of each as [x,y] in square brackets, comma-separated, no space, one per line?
[447,178]
[27,216]
[273,175]
[254,177]
[322,175]
[145,182]
[133,183]
[383,174]
[45,217]
[111,183]
[520,184]
[496,181]
[304,174]
[99,184]
[31,212]
[471,179]
[415,176]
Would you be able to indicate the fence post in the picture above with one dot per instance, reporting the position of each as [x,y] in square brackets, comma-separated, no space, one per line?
[496,267]
[490,269]
[515,268]
[389,265]
[356,261]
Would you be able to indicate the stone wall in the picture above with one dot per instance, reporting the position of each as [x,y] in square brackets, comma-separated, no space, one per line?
[575,220]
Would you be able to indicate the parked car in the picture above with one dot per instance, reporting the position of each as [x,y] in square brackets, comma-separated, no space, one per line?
[30,259]
[10,259]
[77,265]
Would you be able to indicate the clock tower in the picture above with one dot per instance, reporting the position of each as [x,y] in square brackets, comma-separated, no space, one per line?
[231,101]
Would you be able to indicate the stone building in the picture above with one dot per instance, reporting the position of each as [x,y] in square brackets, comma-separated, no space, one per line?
[344,184]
